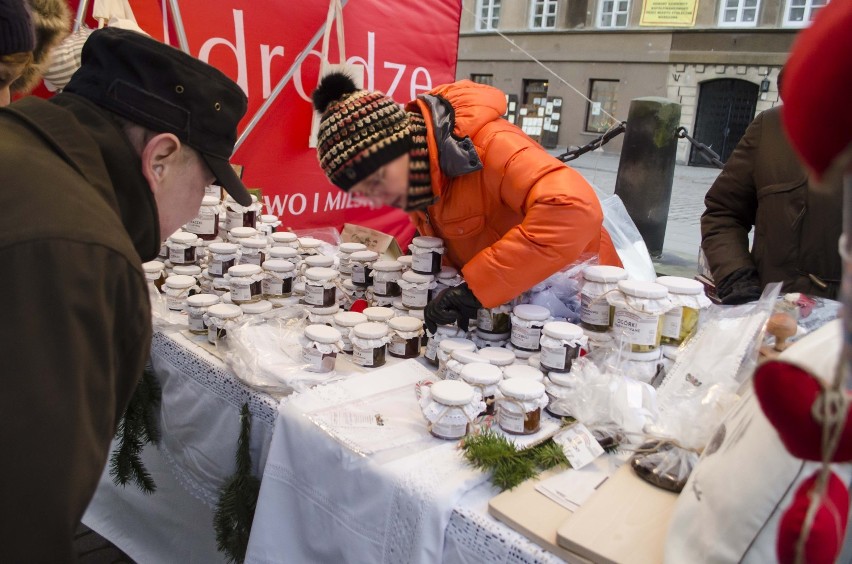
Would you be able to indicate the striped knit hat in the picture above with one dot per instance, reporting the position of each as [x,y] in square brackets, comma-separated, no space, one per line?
[359,132]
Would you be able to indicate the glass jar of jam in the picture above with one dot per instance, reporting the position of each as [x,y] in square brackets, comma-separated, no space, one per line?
[155,274]
[520,407]
[284,253]
[182,248]
[246,282]
[255,311]
[498,356]
[688,299]
[527,321]
[524,372]
[278,282]
[559,386]
[448,278]
[350,292]
[241,216]
[449,407]
[344,321]
[320,346]
[177,288]
[285,239]
[196,307]
[405,261]
[344,251]
[268,224]
[369,344]
[560,345]
[405,333]
[188,270]
[446,347]
[320,286]
[362,267]
[219,319]
[206,223]
[386,275]
[415,290]
[317,261]
[222,256]
[442,332]
[253,250]
[638,317]
[378,314]
[484,377]
[309,246]
[595,311]
[239,234]
[322,315]
[426,255]
[457,361]
[495,320]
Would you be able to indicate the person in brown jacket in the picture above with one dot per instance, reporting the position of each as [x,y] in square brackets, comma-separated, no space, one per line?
[90,183]
[797,221]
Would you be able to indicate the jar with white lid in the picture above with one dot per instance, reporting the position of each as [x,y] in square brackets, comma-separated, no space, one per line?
[321,286]
[182,248]
[188,270]
[442,332]
[320,345]
[268,224]
[284,253]
[205,281]
[309,246]
[278,282]
[219,319]
[177,288]
[220,286]
[213,191]
[398,308]
[155,274]
[405,333]
[484,339]
[378,314]
[381,301]
[362,267]
[415,290]
[196,307]
[317,261]
[456,362]
[450,407]
[418,314]
[595,310]
[426,254]
[246,281]
[386,275]
[344,321]
[520,405]
[524,371]
[446,348]
[688,299]
[498,356]
[527,322]
[369,344]
[253,250]
[485,377]
[241,216]
[206,223]
[449,277]
[351,292]
[405,261]
[256,310]
[559,386]
[222,257]
[344,251]
[495,320]
[560,345]
[239,234]
[639,308]
[322,315]
[285,239]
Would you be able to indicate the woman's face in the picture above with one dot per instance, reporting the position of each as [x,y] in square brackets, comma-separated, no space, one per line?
[388,185]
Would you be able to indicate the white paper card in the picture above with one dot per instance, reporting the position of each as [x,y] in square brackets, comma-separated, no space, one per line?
[579,445]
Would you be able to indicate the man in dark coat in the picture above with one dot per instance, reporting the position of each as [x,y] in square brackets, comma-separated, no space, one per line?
[90,184]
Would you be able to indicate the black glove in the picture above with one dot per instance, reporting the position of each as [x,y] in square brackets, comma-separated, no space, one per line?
[740,286]
[452,305]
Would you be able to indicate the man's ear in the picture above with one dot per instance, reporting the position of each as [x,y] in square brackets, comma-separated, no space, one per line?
[159,155]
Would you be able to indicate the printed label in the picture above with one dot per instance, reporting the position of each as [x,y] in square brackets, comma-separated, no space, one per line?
[254,258]
[312,357]
[512,422]
[380,286]
[204,223]
[272,287]
[672,321]
[314,295]
[484,320]
[362,357]
[422,262]
[397,345]
[638,328]
[449,430]
[347,344]
[240,293]
[553,358]
[526,337]
[594,311]
[414,298]
[431,348]
[177,256]
[359,274]
[213,190]
[175,303]
[233,219]
[579,445]
[196,323]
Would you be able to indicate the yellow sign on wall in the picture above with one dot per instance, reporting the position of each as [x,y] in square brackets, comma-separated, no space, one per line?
[669,13]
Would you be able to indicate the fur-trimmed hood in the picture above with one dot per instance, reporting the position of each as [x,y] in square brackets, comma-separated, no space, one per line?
[52,21]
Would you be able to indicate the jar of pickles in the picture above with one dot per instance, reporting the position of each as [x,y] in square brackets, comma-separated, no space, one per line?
[369,344]
[206,222]
[344,321]
[219,319]
[321,286]
[278,282]
[386,275]
[222,256]
[344,251]
[495,320]
[362,267]
[177,288]
[446,348]
[285,239]
[415,290]
[241,216]
[253,250]
[405,335]
[320,345]
[688,299]
[520,405]
[426,255]
[182,248]
[246,281]
[638,316]
[527,322]
[560,345]
[457,361]
[196,307]
[322,315]
[450,407]
[595,311]
[485,377]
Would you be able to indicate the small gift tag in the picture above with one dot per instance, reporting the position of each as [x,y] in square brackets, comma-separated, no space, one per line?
[579,445]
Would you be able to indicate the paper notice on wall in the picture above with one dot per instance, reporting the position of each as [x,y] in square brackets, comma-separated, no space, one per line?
[596,108]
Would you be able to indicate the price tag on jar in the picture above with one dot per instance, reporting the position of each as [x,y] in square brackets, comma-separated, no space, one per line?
[579,445]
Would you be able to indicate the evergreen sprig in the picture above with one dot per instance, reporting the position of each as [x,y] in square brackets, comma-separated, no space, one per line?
[237,499]
[138,427]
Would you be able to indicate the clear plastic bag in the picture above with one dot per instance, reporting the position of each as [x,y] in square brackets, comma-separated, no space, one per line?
[560,292]
[627,240]
[664,464]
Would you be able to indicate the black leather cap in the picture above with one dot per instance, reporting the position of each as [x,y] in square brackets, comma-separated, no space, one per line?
[167,91]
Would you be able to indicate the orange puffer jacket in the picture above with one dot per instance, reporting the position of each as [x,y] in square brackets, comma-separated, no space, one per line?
[510,214]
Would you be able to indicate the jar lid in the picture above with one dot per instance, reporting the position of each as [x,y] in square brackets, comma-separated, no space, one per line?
[319,273]
[279,265]
[387,266]
[180,281]
[446,330]
[604,273]
[245,270]
[349,285]
[497,356]
[523,372]
[481,373]
[319,260]
[226,299]
[254,243]
[405,260]
[404,323]
[322,333]
[261,306]
[414,278]
[521,388]
[427,242]
[561,379]
[243,232]
[153,266]
[370,330]
[681,285]
[643,289]
[209,201]
[466,356]
[183,238]
[187,270]
[202,300]
[282,252]
[224,311]
[492,337]
[448,272]
[348,248]
[378,313]
[562,330]
[531,312]
[452,392]
[309,242]
[456,344]
[328,310]
[284,237]
[364,256]
[268,218]
[349,318]
[223,248]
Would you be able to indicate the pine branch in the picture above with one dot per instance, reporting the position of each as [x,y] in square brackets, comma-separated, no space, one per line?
[137,428]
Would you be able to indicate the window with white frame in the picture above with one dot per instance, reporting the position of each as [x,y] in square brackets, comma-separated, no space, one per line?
[800,13]
[613,13]
[487,15]
[738,13]
[543,14]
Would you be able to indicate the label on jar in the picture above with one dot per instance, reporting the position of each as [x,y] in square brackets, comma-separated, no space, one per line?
[175,303]
[362,357]
[255,258]
[359,273]
[414,298]
[313,358]
[672,321]
[449,430]
[272,287]
[347,344]
[220,267]
[314,295]
[240,293]
[233,219]
[380,286]
[422,262]
[638,328]
[553,358]
[196,323]
[510,421]
[215,334]
[204,223]
[484,320]
[179,256]
[526,337]
[397,345]
[431,348]
[594,311]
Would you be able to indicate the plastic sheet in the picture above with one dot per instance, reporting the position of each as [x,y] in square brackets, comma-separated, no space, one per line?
[627,240]
[560,293]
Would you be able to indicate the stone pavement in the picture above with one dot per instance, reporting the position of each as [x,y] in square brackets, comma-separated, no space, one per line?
[683,230]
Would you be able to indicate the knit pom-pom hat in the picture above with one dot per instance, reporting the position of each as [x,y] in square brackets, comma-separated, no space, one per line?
[359,131]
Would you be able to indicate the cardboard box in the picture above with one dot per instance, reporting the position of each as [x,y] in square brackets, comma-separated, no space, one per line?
[382,243]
